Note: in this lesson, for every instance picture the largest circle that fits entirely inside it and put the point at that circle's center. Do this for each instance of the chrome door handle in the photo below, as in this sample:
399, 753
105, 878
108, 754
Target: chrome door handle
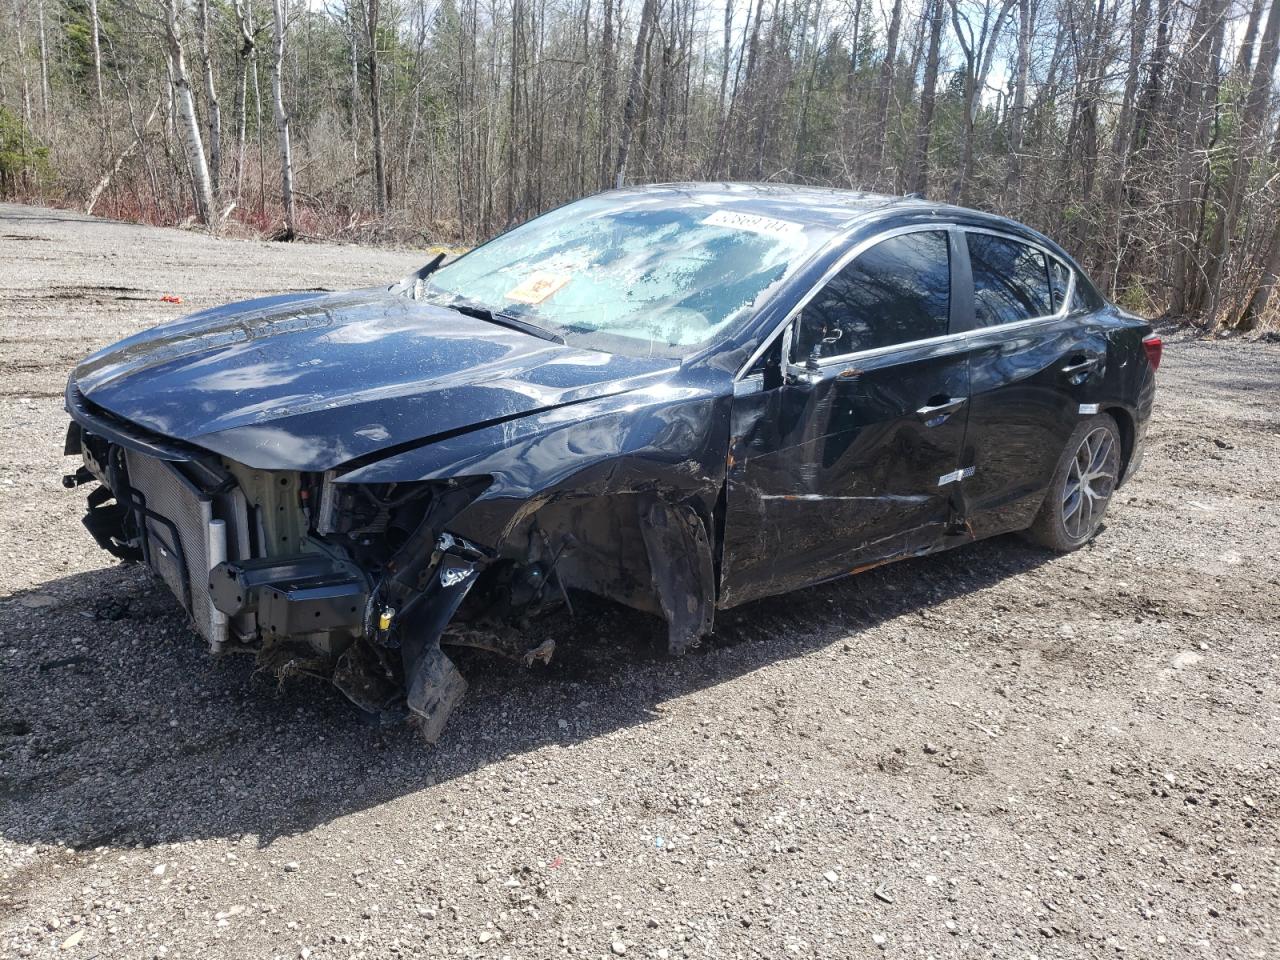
934, 414
1082, 365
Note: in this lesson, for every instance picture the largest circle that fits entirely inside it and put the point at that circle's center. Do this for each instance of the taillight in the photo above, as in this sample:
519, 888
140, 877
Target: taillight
1155, 350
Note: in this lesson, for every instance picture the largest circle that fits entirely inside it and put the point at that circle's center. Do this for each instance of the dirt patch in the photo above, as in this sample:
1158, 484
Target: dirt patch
990, 751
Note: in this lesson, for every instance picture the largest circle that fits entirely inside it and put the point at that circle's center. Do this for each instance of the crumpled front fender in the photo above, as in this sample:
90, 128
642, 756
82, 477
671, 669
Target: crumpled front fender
433, 685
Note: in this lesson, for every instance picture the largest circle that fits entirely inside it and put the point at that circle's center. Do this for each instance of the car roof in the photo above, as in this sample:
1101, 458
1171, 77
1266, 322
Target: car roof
825, 207
831, 208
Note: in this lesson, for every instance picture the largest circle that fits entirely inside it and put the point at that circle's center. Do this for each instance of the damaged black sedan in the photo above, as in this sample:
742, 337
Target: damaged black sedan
681, 398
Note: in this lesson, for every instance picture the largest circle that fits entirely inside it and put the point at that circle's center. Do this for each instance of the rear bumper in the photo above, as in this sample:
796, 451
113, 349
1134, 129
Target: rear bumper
1141, 422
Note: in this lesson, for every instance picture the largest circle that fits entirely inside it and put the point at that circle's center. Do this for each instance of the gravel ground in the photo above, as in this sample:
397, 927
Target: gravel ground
990, 751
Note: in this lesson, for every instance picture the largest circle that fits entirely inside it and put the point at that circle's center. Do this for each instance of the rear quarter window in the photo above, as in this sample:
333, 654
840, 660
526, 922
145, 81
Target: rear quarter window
1010, 280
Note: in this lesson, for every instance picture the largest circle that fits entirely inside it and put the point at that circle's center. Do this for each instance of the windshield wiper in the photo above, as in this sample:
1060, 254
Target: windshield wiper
470, 309
412, 284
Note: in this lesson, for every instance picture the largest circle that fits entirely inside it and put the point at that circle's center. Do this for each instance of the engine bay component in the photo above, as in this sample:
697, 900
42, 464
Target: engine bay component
309, 596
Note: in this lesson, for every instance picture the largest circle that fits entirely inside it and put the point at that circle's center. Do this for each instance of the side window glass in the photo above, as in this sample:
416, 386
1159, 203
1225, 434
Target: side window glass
1060, 283
1010, 280
894, 292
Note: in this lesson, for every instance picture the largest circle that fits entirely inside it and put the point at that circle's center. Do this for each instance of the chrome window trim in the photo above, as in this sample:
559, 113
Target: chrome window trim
959, 336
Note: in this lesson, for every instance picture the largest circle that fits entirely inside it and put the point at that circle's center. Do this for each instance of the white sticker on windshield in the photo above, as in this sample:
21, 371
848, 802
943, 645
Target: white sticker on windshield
755, 224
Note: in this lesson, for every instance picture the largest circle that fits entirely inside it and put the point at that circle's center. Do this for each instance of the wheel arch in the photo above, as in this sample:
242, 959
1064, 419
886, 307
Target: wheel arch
1128, 433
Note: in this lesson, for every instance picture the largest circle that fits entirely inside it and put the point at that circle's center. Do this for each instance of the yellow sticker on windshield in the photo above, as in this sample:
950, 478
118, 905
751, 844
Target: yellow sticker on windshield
538, 286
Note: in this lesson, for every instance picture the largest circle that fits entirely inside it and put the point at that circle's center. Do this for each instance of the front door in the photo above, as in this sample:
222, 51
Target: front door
853, 461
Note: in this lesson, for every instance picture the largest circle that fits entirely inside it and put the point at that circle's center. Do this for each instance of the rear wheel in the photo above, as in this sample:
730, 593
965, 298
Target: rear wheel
1081, 488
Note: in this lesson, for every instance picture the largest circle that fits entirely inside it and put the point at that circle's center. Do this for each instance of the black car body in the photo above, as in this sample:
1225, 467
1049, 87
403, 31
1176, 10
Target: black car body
340, 482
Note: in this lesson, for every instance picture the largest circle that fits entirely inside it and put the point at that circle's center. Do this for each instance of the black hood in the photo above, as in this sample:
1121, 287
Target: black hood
309, 382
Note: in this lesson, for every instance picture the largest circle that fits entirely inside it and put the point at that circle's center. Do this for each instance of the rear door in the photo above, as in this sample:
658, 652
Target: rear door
847, 462
1036, 363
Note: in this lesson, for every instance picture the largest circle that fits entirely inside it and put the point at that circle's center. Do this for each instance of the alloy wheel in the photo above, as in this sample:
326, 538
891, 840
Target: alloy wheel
1090, 482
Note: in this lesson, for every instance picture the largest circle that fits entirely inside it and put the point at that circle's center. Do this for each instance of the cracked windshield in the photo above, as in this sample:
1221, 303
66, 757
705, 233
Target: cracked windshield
640, 278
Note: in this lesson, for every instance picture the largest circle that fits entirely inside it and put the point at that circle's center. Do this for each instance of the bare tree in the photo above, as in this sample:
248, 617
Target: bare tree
1141, 133
280, 22
933, 13
213, 111
633, 91
20, 43
381, 190
95, 47
1232, 190
44, 64
184, 109
246, 52
885, 91
977, 27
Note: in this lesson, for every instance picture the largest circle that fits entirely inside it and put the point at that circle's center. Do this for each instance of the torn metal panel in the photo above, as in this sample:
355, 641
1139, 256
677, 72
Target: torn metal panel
433, 685
680, 562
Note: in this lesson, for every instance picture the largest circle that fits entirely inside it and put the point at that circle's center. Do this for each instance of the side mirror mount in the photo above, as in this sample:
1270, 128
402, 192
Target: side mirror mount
808, 372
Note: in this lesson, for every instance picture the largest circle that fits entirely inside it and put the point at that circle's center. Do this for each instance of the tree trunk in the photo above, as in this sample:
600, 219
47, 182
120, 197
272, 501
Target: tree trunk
95, 43
1194, 111
245, 52
928, 96
1150, 102
353, 102
188, 122
281, 25
44, 65
854, 143
381, 194
1256, 307
1017, 112
1232, 192
1137, 42
22, 68
1244, 57
633, 92
883, 95
608, 73
211, 98
121, 157
728, 55
978, 49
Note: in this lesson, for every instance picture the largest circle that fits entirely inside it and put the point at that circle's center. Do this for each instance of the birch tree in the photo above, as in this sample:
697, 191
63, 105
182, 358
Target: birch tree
280, 24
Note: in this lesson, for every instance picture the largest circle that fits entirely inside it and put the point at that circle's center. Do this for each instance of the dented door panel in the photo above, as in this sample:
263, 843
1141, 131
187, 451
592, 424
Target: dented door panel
827, 477
1028, 388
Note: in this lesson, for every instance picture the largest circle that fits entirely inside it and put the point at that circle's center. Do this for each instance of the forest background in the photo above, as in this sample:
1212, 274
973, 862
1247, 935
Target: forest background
1141, 134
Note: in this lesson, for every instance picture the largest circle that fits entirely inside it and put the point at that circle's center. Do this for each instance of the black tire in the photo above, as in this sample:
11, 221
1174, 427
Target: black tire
1072, 512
